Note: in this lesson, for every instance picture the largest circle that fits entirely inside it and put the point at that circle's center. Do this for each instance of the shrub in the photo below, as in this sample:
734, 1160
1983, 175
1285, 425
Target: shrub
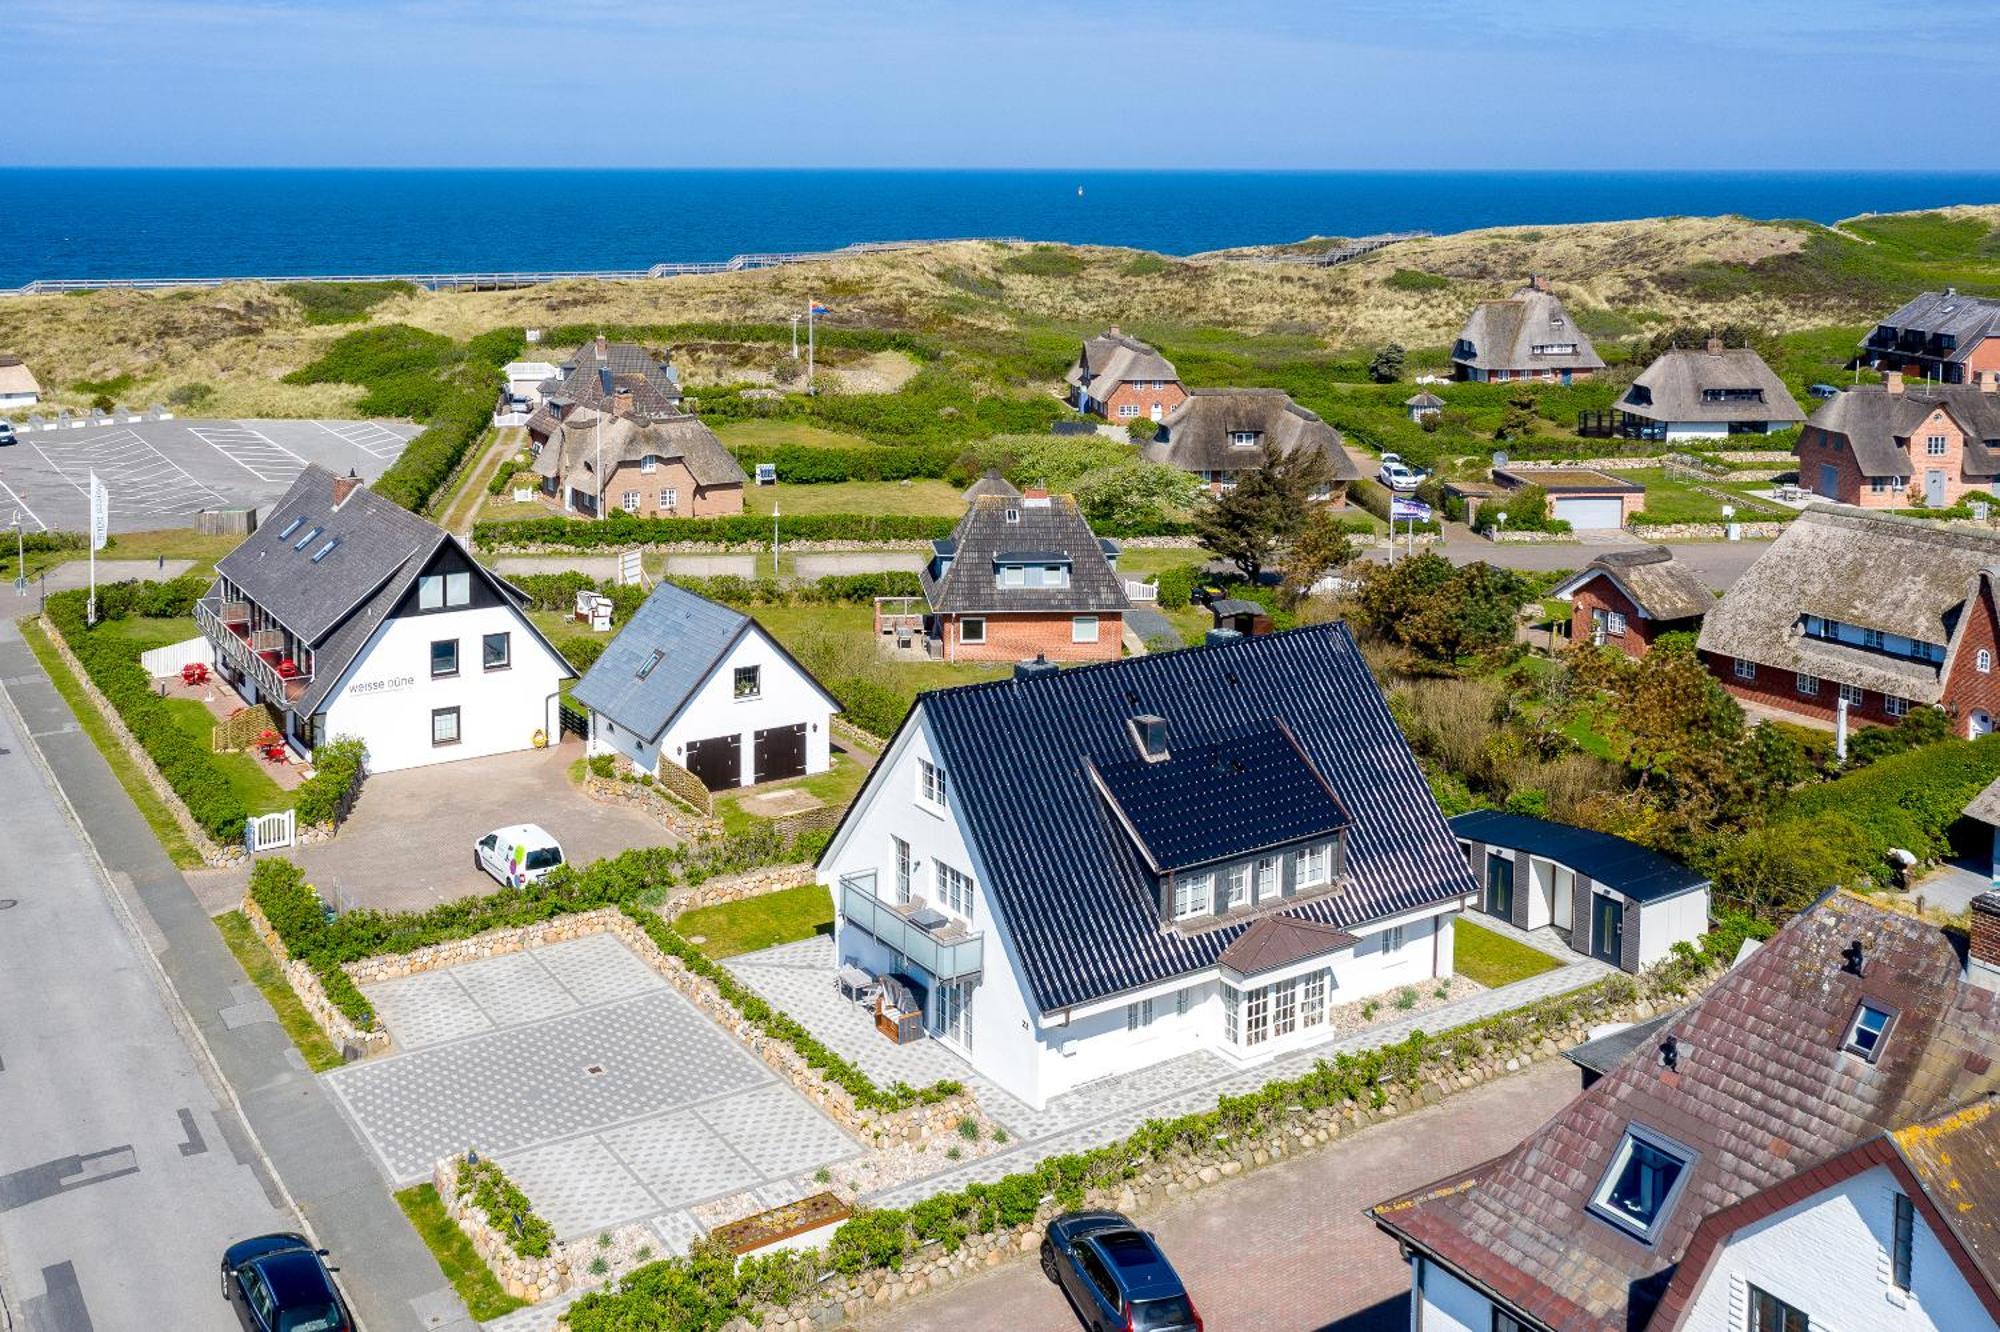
1144, 428
1177, 585
190, 397
336, 768
507, 1209
503, 477
341, 302
1057, 261
1415, 279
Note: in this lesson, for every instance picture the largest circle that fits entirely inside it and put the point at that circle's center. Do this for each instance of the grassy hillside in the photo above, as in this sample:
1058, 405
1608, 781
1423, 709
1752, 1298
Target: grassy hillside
1008, 317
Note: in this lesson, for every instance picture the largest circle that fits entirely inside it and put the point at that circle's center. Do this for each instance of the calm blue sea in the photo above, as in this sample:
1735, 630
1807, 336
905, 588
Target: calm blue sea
100, 223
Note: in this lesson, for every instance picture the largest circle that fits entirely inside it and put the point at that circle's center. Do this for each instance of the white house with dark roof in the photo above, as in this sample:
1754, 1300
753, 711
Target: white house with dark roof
351, 616
1088, 871
1707, 393
705, 687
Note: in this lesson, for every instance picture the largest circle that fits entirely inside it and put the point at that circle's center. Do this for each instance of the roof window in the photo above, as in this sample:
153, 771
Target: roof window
654, 660
291, 527
307, 539
1646, 1175
1869, 1031
325, 550
1013, 515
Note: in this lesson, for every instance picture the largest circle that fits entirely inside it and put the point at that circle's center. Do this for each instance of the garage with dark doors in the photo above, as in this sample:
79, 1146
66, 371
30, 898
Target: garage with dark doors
718, 761
781, 753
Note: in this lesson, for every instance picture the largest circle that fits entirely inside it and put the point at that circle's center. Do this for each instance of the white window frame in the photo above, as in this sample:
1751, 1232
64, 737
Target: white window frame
1855, 695
1236, 886
1393, 939
1600, 1198
1139, 1014
905, 870
755, 682
1806, 685
1243, 439
1982, 661
1183, 1000
972, 629
933, 787
650, 463
1745, 668
670, 498
1312, 999
1934, 446
1284, 1008
954, 889
630, 501
1313, 866
1193, 895
1257, 1016
1013, 575
1869, 1050
1614, 624
1270, 878
1083, 628
1128, 409
1232, 1015
1895, 706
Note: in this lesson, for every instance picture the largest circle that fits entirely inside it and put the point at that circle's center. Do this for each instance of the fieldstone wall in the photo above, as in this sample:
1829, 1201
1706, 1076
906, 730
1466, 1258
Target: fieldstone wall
1505, 537
848, 731
1752, 531
735, 887
569, 1262
339, 1028
211, 851
654, 800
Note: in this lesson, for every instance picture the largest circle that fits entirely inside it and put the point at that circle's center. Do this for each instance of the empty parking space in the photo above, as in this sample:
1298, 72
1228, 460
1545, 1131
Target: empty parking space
605, 1094
163, 473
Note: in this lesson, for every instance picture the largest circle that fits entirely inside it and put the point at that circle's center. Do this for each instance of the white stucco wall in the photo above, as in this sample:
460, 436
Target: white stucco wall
387, 695
1829, 1257
1681, 919
1449, 1305
788, 697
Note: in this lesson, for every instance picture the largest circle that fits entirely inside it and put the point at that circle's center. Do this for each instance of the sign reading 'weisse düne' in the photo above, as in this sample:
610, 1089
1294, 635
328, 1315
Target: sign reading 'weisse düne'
388, 685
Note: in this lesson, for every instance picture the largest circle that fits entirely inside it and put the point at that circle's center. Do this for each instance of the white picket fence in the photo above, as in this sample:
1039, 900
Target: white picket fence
268, 832
1138, 591
163, 662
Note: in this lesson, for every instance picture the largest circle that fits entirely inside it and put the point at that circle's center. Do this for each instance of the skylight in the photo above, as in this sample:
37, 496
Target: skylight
1868, 1031
1646, 1175
325, 550
307, 539
652, 661
291, 527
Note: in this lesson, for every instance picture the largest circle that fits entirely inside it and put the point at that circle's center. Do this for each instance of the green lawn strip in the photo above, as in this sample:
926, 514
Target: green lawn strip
473, 1280
758, 922
243, 769
773, 434
836, 786
123, 766
1493, 960
937, 499
262, 969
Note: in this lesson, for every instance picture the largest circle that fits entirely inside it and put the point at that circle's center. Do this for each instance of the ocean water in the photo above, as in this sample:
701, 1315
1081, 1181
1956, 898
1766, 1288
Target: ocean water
173, 222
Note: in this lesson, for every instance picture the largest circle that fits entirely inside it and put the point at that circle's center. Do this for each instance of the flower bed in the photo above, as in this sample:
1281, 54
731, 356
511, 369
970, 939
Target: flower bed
779, 1224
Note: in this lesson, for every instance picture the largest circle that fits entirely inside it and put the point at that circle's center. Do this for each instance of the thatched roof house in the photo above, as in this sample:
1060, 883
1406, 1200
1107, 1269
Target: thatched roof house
1714, 390
991, 483
1527, 336
1218, 433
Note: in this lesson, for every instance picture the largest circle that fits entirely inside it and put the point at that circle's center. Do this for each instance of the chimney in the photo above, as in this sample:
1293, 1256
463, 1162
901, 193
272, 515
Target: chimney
1892, 383
1149, 733
621, 402
1115, 333
1538, 281
1987, 380
1983, 961
1041, 666
343, 486
1035, 497
1715, 346
603, 349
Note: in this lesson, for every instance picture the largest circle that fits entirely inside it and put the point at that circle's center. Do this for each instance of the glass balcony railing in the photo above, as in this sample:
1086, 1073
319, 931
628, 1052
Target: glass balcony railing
948, 952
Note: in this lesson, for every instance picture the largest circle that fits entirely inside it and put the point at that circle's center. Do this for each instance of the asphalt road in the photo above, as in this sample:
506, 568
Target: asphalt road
1288, 1247
124, 1172
1720, 563
81, 1032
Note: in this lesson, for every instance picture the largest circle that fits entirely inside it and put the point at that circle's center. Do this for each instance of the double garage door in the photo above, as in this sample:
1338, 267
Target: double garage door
776, 754
1586, 514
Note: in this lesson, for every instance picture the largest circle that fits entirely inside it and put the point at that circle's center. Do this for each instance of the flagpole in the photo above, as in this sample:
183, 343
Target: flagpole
598, 481
811, 304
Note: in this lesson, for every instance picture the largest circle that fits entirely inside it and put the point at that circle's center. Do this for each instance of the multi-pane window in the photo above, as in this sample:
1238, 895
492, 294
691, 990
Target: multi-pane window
1192, 894
670, 499
749, 681
903, 866
649, 463
1243, 439
1852, 695
1871, 638
1232, 1015
1128, 409
444, 726
954, 888
1392, 939
496, 651
1614, 624
1267, 877
1934, 446
1745, 670
1895, 707
1644, 1178
441, 591
1903, 1250
1982, 661
930, 783
1183, 999
1257, 1016
1768, 1313
1312, 866
629, 501
1808, 685
1312, 999
1139, 1015
1284, 1008
1238, 879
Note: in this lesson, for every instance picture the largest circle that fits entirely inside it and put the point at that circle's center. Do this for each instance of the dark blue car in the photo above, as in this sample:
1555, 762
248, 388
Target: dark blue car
279, 1283
1115, 1276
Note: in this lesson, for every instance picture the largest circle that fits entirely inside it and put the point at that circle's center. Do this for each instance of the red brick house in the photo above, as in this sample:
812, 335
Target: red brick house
1020, 578
1886, 613
1626, 599
1890, 446
618, 377
1123, 379
1940, 335
1527, 336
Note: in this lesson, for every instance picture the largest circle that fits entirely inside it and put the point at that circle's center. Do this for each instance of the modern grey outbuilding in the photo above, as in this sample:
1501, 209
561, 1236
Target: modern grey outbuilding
1612, 899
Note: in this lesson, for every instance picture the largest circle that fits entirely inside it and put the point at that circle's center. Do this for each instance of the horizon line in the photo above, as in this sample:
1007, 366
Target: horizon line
1959, 172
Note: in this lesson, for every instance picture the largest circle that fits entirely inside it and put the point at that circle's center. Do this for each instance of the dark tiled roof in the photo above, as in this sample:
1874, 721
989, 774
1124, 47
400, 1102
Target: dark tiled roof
1640, 874
1878, 425
1762, 1091
1076, 896
1195, 435
1967, 318
690, 634
1279, 941
1051, 531
1220, 795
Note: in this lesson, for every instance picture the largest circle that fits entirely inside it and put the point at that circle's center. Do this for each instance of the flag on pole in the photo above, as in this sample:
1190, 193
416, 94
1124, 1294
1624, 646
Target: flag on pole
819, 309
100, 514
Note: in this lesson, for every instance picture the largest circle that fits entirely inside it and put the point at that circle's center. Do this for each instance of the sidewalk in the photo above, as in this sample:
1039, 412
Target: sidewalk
388, 1273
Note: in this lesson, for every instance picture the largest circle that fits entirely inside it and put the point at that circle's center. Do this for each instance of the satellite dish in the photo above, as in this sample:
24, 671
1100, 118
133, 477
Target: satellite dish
1499, 457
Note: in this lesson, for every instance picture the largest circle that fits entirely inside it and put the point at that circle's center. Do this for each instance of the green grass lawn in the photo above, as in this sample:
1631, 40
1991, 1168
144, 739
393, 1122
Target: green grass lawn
1478, 954
795, 626
1671, 499
932, 499
836, 786
123, 766
263, 970
759, 922
245, 770
484, 1297
747, 437
172, 544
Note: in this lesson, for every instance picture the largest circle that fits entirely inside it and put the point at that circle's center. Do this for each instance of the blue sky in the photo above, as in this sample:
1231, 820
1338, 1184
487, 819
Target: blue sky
1252, 84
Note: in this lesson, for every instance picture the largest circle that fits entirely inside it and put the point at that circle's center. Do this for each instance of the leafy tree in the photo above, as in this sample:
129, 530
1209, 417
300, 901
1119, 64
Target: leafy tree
1518, 421
1321, 546
1252, 523
1143, 429
1386, 367
1135, 492
1437, 610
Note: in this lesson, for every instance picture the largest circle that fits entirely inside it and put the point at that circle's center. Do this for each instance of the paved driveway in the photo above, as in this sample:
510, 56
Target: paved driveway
408, 844
603, 1093
1287, 1247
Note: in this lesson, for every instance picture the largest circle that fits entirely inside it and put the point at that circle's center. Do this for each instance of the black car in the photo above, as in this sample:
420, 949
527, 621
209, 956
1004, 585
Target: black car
278, 1283
6, 432
1115, 1276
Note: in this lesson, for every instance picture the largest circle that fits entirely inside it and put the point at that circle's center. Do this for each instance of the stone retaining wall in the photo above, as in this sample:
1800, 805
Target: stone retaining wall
353, 1041
1752, 531
569, 1262
847, 730
1506, 537
211, 851
680, 820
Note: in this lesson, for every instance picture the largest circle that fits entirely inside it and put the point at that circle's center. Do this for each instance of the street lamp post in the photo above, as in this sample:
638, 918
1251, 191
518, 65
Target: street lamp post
20, 557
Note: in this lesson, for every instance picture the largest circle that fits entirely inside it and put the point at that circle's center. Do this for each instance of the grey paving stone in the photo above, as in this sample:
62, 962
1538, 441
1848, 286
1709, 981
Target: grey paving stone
514, 988
598, 968
681, 1159
426, 1009
579, 1185
677, 1231
777, 1130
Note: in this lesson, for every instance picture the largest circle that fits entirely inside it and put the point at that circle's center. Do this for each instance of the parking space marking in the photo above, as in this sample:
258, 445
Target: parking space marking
253, 451
374, 440
141, 479
14, 499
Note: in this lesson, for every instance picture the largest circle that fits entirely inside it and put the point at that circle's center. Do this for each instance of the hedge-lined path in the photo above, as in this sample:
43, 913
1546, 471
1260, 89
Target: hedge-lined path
389, 1275
1289, 1246
73, 574
462, 509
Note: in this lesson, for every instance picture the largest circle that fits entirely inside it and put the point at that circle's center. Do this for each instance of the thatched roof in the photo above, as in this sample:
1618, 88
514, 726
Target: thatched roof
1505, 335
1195, 436
1651, 579
16, 377
1113, 358
575, 444
1901, 576
1671, 388
1878, 425
1986, 805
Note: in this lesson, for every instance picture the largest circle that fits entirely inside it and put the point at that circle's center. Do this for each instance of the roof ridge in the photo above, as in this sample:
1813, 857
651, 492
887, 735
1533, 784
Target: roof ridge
1324, 628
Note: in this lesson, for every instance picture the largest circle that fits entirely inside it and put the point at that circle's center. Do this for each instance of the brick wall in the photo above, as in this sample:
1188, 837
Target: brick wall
690, 500
1818, 449
1020, 637
1773, 688
1968, 689
1168, 396
1986, 928
1601, 594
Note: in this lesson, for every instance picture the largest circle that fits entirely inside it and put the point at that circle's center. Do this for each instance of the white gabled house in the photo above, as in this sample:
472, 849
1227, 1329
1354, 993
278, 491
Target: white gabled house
349, 615
707, 688
1089, 871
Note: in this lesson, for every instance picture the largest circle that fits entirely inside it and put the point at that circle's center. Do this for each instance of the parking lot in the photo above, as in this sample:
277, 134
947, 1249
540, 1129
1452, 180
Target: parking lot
603, 1093
162, 473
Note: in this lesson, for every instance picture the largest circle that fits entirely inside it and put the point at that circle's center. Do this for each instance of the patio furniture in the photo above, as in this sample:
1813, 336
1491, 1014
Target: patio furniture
855, 985
899, 1010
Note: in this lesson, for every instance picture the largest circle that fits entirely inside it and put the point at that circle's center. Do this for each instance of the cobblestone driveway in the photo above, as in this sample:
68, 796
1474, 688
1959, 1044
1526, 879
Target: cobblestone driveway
603, 1093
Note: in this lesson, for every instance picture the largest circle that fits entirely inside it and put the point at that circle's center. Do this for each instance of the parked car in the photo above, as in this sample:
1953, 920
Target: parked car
1388, 458
281, 1283
1400, 476
1115, 1276
6, 432
517, 855
1822, 391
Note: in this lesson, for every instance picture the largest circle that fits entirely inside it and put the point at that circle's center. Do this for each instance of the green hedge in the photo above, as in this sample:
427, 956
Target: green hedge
557, 591
801, 465
336, 768
112, 663
625, 530
1374, 497
1908, 800
507, 1209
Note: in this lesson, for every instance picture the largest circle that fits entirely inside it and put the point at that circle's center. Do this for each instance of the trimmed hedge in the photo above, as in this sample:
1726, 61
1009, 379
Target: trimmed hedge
113, 666
1908, 800
802, 465
557, 591
336, 768
624, 530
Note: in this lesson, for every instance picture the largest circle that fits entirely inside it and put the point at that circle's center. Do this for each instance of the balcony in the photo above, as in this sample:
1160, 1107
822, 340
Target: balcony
264, 655
947, 951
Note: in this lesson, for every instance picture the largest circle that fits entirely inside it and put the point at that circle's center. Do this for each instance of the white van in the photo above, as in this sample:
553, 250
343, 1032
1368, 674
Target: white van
517, 855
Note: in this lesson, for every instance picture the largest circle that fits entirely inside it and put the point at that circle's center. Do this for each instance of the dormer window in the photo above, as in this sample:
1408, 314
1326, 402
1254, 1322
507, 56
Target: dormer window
1150, 733
1244, 439
649, 463
1638, 1191
1193, 895
1013, 515
1868, 1032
